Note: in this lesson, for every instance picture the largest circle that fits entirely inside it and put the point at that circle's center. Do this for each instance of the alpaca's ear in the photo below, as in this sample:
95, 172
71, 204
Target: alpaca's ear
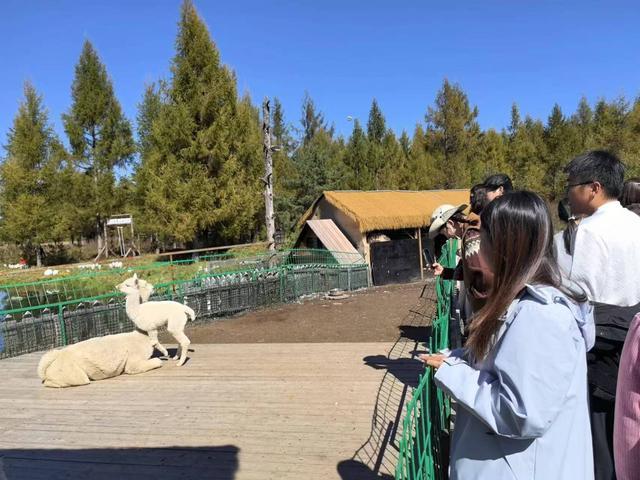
135, 276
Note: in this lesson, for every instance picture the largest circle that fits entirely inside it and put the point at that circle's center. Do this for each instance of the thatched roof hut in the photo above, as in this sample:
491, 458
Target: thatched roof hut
366, 218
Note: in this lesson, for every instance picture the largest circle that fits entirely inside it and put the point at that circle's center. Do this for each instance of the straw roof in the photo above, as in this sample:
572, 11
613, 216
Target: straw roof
389, 210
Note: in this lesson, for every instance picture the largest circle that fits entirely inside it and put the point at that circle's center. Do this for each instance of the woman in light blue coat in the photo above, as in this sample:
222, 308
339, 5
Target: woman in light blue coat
520, 384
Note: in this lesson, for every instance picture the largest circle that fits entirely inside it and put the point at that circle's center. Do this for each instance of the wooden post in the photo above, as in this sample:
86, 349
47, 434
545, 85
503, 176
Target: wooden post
268, 175
419, 233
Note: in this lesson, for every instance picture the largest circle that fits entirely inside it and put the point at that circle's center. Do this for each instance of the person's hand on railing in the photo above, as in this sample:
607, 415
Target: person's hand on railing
437, 269
432, 360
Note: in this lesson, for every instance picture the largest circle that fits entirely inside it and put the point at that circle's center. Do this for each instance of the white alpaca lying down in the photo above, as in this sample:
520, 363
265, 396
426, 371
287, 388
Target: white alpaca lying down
150, 316
97, 359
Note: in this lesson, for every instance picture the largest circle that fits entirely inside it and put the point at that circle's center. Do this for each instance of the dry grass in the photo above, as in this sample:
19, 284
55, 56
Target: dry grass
390, 210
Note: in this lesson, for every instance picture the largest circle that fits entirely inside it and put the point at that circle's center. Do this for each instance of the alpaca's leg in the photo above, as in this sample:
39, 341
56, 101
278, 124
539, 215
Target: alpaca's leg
141, 366
153, 336
184, 342
175, 326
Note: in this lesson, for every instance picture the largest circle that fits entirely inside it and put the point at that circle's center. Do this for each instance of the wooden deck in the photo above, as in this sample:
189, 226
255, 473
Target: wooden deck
234, 411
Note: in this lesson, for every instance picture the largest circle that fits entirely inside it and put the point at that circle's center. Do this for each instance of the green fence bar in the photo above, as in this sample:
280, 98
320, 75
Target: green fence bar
425, 427
60, 311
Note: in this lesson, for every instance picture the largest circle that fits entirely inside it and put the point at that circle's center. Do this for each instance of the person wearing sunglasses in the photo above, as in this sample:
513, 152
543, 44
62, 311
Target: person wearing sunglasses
606, 256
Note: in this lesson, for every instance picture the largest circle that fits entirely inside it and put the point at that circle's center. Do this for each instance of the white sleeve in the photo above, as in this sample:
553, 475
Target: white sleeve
589, 263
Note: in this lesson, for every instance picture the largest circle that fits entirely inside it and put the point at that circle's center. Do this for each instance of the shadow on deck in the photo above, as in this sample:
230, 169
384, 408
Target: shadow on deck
377, 457
180, 463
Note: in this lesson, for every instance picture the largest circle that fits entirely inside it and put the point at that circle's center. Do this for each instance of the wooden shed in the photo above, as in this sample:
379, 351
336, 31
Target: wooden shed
387, 228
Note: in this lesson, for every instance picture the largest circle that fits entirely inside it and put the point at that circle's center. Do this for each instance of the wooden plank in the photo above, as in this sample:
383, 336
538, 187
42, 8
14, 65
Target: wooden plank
234, 411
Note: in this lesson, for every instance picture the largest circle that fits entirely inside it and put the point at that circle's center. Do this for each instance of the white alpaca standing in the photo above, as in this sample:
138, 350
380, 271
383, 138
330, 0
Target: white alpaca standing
97, 359
150, 316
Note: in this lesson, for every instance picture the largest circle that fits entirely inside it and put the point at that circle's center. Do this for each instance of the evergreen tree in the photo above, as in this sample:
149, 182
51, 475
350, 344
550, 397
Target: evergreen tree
356, 160
393, 173
562, 143
526, 153
582, 120
609, 125
631, 152
284, 171
200, 169
491, 158
35, 180
376, 126
148, 111
453, 133
312, 120
515, 122
321, 168
99, 134
376, 160
422, 166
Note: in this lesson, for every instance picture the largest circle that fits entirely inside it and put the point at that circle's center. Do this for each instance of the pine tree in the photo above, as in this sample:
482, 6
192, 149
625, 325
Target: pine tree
318, 160
452, 133
491, 158
284, 171
422, 166
376, 130
35, 194
515, 122
582, 120
199, 175
357, 161
562, 143
376, 125
393, 173
99, 134
609, 125
312, 120
631, 152
148, 111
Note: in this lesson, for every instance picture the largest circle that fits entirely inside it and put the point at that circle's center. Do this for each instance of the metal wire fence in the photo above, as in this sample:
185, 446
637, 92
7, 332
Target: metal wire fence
424, 445
42, 320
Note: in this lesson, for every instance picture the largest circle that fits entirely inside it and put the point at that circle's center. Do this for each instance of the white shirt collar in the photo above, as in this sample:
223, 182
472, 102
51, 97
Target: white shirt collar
608, 206
603, 209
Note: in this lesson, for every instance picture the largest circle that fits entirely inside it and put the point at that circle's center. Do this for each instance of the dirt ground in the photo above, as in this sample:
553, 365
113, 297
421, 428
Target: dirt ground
372, 315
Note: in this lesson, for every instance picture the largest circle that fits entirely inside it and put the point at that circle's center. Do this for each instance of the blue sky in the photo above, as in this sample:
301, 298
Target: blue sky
343, 52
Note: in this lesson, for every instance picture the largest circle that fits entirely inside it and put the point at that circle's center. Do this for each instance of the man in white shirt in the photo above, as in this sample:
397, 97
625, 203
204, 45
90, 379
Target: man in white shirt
606, 256
606, 262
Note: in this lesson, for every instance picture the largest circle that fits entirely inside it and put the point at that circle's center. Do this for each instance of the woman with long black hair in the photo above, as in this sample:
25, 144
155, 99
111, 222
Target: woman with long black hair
520, 383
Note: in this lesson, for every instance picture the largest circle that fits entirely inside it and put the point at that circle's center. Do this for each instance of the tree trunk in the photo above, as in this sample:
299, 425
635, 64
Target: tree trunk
268, 175
99, 233
38, 256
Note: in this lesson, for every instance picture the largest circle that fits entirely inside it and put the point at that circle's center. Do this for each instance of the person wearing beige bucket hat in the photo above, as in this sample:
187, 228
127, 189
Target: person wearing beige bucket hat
444, 219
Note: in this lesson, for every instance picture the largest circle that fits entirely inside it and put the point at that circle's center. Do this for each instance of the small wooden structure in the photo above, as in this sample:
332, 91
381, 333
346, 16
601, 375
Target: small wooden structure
388, 228
119, 222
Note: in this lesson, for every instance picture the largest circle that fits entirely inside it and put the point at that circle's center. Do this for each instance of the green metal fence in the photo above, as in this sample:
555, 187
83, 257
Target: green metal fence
88, 305
424, 445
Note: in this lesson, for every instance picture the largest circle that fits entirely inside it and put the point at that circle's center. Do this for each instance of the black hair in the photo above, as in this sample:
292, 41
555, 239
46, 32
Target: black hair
630, 192
498, 180
518, 230
598, 166
569, 233
478, 198
564, 210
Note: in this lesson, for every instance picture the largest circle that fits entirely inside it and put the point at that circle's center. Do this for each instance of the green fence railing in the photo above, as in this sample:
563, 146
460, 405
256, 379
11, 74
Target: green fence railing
90, 306
87, 285
423, 453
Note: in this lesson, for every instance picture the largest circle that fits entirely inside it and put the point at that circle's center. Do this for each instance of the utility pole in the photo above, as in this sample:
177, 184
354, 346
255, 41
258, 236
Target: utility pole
268, 174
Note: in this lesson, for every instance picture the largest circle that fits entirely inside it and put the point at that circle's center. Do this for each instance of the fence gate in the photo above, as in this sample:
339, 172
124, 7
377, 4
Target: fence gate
395, 261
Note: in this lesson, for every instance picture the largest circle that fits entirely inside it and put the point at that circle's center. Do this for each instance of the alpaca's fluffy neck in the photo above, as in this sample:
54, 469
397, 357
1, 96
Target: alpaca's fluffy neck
132, 304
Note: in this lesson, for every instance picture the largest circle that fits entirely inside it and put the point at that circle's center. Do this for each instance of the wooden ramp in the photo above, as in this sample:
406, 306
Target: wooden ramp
234, 411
